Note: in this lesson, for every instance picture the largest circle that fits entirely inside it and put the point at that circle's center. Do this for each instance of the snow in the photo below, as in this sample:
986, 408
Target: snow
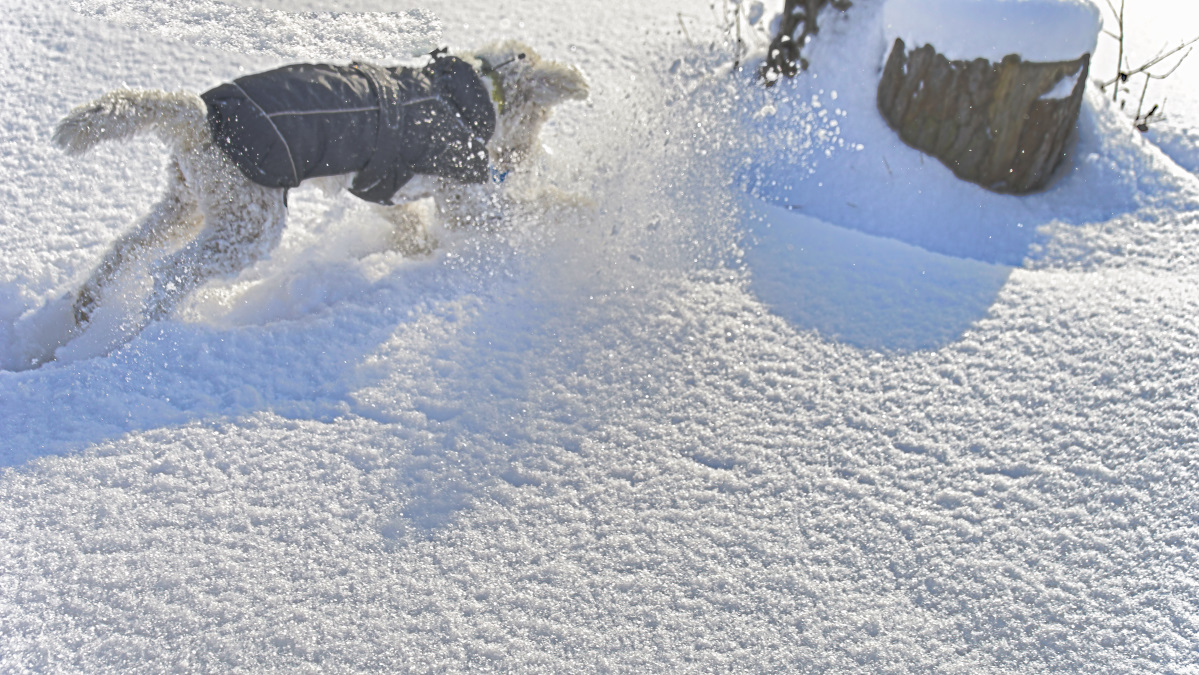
1064, 87
964, 30
288, 35
773, 393
1180, 142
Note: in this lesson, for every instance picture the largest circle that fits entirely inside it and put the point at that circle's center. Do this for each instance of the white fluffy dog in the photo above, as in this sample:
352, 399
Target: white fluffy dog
217, 222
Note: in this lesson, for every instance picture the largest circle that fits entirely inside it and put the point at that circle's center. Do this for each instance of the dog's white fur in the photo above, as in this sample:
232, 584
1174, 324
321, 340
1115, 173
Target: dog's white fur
229, 222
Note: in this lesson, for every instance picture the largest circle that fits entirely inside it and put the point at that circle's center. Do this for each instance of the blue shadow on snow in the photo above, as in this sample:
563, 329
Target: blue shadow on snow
870, 292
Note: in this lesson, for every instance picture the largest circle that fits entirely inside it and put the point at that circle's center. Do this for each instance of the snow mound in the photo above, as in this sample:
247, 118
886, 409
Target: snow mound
318, 36
1037, 30
828, 154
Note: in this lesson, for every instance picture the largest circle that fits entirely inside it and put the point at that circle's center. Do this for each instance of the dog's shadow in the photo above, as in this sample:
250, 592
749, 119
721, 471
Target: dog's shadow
392, 352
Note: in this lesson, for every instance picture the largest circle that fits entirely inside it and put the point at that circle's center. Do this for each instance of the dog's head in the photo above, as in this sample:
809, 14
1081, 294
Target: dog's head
523, 88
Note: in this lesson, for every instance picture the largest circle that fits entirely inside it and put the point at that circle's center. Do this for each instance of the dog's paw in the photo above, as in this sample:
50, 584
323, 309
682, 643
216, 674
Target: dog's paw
410, 231
412, 246
552, 197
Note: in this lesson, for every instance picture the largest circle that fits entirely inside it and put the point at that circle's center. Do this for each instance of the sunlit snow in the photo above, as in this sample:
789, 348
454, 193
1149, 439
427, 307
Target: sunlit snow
767, 390
288, 35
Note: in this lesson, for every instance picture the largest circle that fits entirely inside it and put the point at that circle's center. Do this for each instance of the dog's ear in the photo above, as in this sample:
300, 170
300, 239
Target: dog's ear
553, 83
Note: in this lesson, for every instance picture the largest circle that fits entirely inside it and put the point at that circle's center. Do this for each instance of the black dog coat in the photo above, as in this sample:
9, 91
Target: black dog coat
383, 124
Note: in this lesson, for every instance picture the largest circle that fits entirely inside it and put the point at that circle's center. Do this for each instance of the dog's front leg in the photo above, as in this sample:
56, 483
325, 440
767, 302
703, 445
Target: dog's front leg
461, 205
411, 215
242, 226
410, 227
180, 273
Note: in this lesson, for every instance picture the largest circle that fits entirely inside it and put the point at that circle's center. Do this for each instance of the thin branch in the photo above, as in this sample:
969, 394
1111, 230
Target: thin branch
1176, 65
686, 35
1149, 64
740, 43
1142, 101
1119, 57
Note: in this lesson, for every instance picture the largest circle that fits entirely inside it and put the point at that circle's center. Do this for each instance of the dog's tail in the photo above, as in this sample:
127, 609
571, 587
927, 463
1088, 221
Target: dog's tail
178, 118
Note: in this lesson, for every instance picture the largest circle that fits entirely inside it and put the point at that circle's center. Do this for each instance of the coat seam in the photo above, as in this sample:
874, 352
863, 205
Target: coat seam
322, 112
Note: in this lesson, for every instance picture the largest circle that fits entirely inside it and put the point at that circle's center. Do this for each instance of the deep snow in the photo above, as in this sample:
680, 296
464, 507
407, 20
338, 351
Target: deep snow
1037, 30
807, 406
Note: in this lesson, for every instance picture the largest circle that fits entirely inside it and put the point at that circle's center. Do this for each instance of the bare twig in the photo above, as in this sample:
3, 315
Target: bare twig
1171, 71
1124, 75
1143, 125
1120, 39
686, 35
740, 43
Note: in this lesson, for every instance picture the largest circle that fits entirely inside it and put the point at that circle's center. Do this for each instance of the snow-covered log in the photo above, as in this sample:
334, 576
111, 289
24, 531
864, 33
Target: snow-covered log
992, 88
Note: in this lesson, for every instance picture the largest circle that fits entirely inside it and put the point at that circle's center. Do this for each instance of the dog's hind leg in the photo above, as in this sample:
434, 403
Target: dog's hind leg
173, 217
242, 225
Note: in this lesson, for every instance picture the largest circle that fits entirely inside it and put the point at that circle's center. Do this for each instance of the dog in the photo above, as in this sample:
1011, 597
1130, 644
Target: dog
225, 202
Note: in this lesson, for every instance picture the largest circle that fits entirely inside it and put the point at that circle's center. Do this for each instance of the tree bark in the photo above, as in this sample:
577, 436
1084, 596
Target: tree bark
988, 123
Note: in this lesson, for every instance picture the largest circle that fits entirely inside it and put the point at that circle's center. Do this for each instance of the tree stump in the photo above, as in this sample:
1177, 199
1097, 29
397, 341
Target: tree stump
991, 124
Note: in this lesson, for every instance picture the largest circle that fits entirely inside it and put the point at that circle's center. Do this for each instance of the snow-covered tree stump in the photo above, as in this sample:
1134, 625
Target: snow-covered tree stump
992, 88
995, 124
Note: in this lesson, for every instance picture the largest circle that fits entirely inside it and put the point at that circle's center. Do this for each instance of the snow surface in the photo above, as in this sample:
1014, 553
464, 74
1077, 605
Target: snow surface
288, 35
776, 394
1180, 142
964, 30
